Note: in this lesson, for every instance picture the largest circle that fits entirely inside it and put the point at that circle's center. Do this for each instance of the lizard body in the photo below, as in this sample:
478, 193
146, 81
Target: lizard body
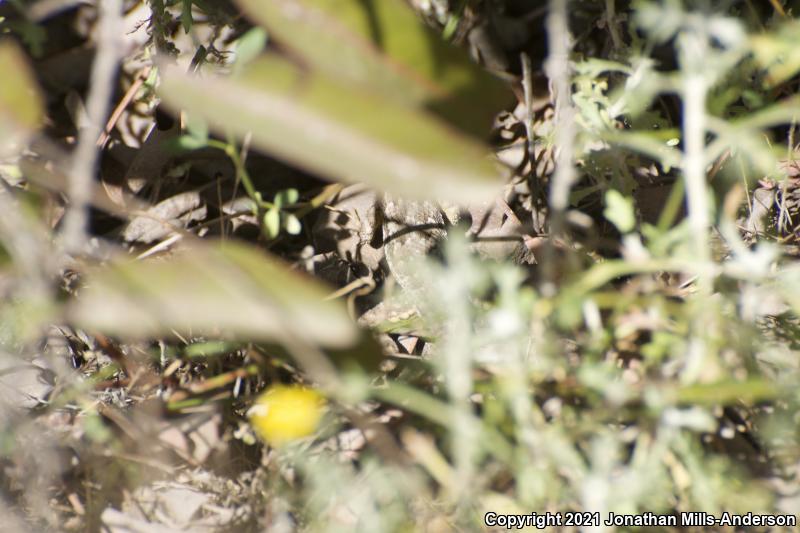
411, 229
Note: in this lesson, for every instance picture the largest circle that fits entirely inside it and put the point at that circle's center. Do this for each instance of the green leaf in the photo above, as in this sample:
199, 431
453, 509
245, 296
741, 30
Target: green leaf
783, 111
727, 392
292, 195
227, 290
272, 222
30, 33
777, 53
619, 211
286, 197
450, 28
594, 67
209, 348
197, 128
249, 46
292, 224
21, 104
383, 46
186, 16
189, 142
338, 131
649, 143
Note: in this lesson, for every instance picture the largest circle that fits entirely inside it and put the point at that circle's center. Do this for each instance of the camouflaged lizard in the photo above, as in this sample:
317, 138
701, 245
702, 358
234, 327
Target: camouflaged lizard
411, 229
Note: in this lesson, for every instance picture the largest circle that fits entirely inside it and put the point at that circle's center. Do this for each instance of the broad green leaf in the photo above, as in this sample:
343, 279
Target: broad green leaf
382, 45
339, 131
224, 289
20, 100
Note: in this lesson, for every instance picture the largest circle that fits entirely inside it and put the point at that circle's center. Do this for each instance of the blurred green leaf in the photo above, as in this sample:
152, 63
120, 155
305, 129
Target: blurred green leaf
21, 104
272, 222
777, 52
726, 392
783, 111
95, 429
224, 289
286, 197
383, 46
650, 144
196, 134
619, 211
339, 131
249, 46
659, 20
189, 142
30, 33
449, 30
292, 224
197, 128
593, 67
209, 348
22, 319
186, 15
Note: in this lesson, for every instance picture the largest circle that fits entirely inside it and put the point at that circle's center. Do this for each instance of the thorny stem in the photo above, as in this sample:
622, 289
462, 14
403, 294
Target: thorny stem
84, 160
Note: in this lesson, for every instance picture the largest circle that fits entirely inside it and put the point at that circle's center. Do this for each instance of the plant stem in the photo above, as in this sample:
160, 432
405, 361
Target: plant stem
695, 89
558, 71
84, 160
241, 171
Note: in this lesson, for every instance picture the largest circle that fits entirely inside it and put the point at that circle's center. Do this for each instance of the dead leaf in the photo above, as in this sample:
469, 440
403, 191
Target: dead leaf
161, 219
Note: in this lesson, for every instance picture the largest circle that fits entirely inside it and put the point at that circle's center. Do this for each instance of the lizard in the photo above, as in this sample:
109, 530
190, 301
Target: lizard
411, 229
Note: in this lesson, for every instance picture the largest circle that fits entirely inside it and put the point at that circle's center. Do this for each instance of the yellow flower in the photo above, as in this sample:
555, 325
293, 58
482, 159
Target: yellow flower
286, 413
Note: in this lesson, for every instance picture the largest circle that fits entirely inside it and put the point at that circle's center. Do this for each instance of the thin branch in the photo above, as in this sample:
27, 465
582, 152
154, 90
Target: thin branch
558, 71
611, 23
84, 162
138, 81
534, 180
